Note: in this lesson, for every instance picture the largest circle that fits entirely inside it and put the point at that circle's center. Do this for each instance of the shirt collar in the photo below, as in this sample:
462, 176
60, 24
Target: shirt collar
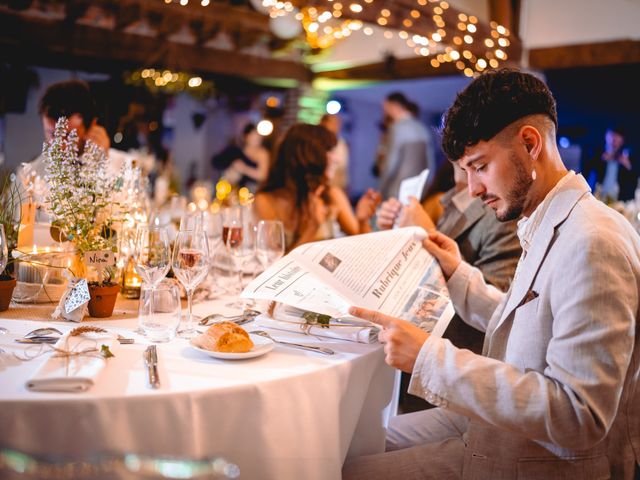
527, 226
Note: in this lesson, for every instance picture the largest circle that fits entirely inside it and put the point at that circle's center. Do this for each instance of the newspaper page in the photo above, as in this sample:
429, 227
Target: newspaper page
387, 271
413, 187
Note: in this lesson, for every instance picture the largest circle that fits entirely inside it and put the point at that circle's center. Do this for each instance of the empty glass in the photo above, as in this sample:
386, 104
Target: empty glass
159, 311
4, 251
151, 255
190, 264
241, 245
269, 242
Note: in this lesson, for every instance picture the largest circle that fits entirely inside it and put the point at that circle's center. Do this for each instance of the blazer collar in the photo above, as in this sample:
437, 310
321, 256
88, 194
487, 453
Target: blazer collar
559, 209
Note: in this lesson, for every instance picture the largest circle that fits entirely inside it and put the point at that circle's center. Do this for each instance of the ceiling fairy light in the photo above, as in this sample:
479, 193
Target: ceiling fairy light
168, 81
445, 37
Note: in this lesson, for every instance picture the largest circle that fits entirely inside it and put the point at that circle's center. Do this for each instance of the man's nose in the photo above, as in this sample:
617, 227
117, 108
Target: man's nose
476, 188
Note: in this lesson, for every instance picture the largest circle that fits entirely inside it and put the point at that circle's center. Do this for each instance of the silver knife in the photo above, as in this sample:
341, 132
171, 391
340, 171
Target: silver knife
38, 340
151, 361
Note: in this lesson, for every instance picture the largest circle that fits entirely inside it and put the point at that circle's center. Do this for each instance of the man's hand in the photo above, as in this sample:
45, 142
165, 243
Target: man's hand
99, 136
387, 214
445, 250
402, 339
413, 215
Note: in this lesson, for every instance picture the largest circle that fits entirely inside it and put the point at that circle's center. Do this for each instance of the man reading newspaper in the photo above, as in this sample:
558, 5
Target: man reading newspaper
555, 393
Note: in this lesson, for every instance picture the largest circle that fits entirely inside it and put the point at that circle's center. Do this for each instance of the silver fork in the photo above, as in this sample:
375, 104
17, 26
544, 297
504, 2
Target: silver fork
313, 348
244, 317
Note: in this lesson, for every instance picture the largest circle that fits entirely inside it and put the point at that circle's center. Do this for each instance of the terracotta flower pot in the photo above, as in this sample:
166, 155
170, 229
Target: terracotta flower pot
7, 284
103, 299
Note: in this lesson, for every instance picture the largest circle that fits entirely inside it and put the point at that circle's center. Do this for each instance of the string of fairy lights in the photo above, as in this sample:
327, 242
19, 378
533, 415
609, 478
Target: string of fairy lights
457, 39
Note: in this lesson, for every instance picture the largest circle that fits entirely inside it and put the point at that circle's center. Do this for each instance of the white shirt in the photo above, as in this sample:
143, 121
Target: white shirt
527, 226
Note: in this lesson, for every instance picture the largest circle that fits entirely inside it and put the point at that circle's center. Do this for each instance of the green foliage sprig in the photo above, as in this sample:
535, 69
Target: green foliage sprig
80, 188
10, 213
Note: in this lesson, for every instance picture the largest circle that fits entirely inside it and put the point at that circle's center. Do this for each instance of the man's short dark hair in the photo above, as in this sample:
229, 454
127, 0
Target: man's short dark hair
490, 103
63, 99
400, 99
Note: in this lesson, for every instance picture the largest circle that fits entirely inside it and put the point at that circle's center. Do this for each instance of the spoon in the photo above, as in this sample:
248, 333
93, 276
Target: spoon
313, 348
244, 317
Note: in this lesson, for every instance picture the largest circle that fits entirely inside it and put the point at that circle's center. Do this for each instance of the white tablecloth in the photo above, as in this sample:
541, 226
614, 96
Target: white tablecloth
290, 414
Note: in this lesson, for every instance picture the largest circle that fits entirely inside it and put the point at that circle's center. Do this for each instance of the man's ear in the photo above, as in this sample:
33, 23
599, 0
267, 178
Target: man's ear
531, 139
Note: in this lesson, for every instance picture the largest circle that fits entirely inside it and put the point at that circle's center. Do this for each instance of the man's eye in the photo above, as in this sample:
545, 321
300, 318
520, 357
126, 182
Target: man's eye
479, 168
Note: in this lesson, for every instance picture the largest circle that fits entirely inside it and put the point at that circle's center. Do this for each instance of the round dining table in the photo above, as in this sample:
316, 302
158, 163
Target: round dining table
289, 414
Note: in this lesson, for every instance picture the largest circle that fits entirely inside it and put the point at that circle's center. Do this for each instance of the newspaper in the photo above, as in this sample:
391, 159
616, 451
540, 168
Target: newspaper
387, 271
413, 187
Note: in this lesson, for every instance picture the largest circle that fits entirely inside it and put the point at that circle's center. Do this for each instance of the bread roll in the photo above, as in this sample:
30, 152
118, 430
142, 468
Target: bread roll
224, 337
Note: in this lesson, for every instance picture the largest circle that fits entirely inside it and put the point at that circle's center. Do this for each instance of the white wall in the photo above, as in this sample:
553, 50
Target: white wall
548, 23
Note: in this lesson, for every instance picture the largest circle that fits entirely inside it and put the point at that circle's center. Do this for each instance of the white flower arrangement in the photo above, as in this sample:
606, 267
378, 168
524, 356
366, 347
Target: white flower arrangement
79, 193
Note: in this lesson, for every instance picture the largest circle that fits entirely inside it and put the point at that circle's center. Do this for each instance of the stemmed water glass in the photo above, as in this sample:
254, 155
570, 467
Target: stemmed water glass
269, 242
152, 256
4, 258
241, 245
190, 264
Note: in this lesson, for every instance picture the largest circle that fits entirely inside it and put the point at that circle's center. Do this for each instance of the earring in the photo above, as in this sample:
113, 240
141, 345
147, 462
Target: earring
534, 175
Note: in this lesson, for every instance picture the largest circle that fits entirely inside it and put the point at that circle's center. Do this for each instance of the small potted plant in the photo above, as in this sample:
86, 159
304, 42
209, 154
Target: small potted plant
10, 211
79, 199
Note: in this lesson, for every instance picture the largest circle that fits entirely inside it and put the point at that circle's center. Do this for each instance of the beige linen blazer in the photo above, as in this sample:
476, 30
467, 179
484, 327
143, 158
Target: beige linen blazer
555, 393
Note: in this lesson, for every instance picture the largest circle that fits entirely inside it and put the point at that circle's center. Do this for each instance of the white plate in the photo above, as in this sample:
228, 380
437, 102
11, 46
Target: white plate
261, 345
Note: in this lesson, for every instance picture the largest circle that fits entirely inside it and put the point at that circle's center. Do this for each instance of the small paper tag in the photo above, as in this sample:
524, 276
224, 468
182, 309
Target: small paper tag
99, 259
78, 296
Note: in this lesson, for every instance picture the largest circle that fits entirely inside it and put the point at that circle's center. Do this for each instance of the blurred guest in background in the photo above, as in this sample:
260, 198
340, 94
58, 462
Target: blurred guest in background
410, 147
340, 174
298, 192
71, 99
245, 165
612, 168
382, 150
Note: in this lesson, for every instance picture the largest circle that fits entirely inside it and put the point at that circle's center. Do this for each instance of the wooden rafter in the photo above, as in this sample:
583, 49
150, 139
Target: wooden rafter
586, 55
44, 41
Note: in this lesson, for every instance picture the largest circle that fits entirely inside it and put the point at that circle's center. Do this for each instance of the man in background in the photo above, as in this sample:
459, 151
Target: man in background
71, 99
611, 172
410, 148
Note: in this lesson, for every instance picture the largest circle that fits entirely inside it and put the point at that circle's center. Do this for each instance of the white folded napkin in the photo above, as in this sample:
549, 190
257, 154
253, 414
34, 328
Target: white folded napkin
288, 319
77, 370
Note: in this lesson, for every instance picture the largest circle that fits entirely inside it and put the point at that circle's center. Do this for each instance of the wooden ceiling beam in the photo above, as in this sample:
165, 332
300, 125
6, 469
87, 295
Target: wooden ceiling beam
32, 41
392, 69
586, 55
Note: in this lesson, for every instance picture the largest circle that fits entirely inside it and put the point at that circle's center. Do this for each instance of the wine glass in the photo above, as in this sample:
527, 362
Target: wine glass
190, 264
152, 255
230, 215
269, 242
4, 258
241, 245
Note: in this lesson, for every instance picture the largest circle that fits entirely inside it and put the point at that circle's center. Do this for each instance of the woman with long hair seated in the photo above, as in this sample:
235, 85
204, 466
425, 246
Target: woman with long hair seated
297, 190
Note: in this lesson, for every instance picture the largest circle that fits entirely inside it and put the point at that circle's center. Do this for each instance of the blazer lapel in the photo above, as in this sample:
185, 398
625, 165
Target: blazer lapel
561, 205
